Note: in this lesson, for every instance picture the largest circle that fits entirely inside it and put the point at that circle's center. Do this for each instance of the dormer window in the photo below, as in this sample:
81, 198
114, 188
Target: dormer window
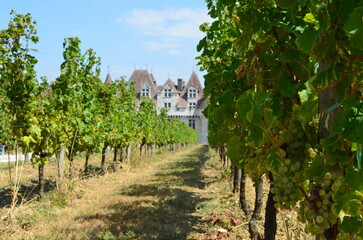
145, 91
192, 93
167, 92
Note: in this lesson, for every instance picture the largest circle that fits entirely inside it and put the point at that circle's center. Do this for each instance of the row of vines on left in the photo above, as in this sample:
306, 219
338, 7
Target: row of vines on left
75, 113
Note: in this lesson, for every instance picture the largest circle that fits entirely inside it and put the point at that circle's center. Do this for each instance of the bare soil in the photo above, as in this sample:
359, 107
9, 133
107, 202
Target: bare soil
182, 195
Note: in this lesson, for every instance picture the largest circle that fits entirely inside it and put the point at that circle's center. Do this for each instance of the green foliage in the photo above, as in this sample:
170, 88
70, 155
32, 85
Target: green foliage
158, 129
76, 98
18, 78
354, 28
268, 64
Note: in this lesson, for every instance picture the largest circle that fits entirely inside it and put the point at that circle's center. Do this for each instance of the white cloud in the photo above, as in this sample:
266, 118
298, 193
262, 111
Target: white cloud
167, 23
145, 22
171, 31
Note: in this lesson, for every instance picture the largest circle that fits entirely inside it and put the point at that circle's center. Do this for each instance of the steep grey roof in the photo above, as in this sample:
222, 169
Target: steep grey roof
171, 84
152, 78
108, 79
141, 77
160, 88
193, 81
182, 103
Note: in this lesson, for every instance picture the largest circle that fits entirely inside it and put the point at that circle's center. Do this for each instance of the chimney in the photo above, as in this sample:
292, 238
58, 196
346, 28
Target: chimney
180, 84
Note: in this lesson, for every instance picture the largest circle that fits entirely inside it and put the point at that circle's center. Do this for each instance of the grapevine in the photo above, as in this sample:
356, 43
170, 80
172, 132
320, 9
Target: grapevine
284, 87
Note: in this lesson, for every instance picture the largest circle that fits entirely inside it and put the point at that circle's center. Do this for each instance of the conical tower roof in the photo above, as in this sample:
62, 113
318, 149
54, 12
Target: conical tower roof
193, 81
108, 79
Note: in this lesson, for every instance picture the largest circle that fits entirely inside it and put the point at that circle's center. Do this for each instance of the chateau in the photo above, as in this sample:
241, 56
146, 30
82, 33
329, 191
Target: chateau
183, 101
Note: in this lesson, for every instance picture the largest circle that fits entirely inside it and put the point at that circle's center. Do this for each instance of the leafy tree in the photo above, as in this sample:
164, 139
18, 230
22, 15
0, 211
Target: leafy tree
108, 103
124, 117
147, 121
76, 99
90, 132
162, 128
46, 127
20, 88
18, 77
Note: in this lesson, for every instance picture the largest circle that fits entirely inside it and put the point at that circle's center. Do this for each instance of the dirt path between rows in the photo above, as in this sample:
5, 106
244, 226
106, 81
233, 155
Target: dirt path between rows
155, 200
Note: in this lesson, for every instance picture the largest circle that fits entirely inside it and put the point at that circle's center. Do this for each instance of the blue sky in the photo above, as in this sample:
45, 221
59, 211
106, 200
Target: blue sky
158, 35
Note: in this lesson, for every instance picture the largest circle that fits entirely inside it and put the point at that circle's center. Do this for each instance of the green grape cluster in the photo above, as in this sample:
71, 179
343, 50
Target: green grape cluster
316, 212
286, 185
297, 141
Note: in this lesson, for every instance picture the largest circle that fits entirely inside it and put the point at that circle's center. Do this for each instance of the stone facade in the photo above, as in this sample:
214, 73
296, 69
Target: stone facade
183, 101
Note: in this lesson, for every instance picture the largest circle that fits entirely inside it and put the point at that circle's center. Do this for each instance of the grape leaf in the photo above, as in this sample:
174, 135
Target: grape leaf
243, 105
234, 147
226, 97
316, 168
202, 43
27, 140
306, 111
256, 134
271, 160
354, 28
36, 130
285, 85
306, 40
260, 99
354, 179
354, 130
270, 120
304, 95
349, 203
309, 18
351, 225
276, 106
325, 78
345, 10
290, 55
229, 2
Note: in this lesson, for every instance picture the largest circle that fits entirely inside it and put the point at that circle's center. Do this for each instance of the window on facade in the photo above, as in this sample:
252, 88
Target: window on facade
192, 93
167, 105
167, 92
192, 123
192, 105
145, 92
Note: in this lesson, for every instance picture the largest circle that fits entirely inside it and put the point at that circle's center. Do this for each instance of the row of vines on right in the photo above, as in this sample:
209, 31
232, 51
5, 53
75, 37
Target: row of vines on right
284, 87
